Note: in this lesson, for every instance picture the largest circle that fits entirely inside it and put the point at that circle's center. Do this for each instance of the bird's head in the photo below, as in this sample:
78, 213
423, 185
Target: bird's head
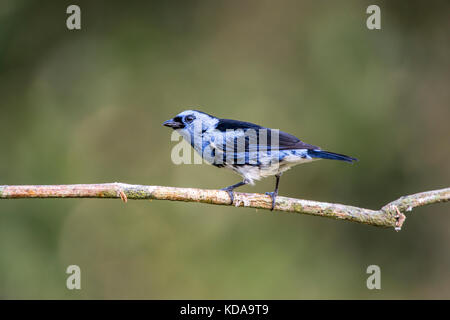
191, 122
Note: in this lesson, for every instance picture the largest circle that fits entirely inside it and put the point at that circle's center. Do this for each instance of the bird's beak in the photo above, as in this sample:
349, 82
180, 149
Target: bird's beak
173, 124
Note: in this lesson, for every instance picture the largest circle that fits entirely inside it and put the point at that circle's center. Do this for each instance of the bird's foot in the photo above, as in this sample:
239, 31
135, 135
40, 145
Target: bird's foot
230, 193
273, 195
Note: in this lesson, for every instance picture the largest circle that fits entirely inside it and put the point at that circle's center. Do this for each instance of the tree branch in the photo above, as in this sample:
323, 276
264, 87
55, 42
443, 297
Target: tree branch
390, 215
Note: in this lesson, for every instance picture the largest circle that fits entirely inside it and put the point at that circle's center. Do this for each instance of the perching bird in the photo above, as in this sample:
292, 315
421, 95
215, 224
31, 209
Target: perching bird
250, 150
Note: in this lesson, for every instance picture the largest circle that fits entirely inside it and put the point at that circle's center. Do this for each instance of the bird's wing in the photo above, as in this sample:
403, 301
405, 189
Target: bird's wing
256, 135
240, 140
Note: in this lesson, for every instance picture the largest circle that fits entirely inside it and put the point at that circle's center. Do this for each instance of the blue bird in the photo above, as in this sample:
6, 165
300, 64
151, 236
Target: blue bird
252, 151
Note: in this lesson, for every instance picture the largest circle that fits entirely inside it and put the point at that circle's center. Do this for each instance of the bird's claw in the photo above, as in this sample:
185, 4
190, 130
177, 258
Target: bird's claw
230, 193
273, 195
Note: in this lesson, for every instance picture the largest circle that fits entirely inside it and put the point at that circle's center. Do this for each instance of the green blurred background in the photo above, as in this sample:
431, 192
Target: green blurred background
87, 106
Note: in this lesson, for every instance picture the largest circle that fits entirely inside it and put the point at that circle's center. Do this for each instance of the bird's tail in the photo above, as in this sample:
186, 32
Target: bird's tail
320, 154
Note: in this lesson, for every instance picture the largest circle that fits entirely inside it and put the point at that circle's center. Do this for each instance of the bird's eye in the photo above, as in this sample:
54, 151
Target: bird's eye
189, 118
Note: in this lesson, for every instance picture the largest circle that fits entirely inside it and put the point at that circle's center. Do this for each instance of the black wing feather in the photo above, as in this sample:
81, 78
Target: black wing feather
227, 124
286, 140
289, 142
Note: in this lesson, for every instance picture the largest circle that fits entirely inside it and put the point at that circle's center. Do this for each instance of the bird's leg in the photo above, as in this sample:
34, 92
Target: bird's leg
274, 194
230, 189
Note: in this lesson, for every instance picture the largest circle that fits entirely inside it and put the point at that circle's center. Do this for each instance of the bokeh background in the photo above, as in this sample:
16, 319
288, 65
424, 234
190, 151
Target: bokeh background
87, 106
